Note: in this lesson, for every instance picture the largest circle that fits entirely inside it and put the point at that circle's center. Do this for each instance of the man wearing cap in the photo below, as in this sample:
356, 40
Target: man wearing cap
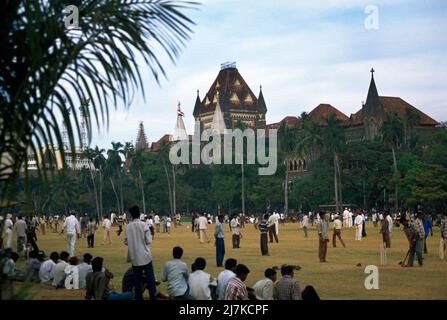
322, 227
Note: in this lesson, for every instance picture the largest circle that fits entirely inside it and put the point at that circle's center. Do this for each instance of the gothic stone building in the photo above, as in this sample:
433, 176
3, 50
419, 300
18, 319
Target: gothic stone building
237, 101
365, 124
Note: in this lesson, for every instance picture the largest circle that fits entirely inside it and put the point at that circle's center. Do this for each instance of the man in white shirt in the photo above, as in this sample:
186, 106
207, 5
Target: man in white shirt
271, 225
106, 225
72, 230
350, 219
203, 225
264, 288
390, 223
112, 217
138, 238
337, 225
345, 218
199, 281
235, 231
277, 215
8, 231
157, 223
358, 226
84, 268
46, 268
58, 272
175, 273
305, 224
225, 276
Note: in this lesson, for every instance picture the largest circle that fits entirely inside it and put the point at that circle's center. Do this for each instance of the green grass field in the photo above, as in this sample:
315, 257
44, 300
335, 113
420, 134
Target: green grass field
340, 278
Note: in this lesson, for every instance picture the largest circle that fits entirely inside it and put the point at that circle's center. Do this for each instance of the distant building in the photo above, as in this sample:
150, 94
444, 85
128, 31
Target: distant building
236, 100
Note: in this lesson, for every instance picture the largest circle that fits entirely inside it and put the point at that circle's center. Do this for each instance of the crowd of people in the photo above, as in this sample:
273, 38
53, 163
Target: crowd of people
64, 270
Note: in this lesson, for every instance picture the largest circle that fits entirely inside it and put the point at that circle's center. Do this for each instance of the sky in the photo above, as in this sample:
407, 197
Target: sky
303, 53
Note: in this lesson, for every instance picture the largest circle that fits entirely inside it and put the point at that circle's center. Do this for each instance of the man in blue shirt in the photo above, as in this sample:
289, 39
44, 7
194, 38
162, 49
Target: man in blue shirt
220, 244
427, 228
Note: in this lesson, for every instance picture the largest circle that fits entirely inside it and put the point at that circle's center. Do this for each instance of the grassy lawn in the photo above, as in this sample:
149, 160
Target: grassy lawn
340, 278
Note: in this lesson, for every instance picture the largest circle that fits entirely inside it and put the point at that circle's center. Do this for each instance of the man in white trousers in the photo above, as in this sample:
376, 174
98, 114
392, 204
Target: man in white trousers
345, 218
72, 230
350, 214
8, 231
358, 226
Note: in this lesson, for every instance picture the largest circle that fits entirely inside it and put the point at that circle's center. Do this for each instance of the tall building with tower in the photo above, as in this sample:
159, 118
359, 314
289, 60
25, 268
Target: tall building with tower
231, 94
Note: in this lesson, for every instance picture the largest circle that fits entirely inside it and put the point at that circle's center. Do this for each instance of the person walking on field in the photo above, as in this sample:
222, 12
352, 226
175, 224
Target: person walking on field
203, 226
263, 229
91, 228
220, 243
427, 227
304, 224
107, 225
235, 231
385, 230
322, 228
271, 225
8, 231
138, 238
72, 230
20, 227
337, 225
358, 226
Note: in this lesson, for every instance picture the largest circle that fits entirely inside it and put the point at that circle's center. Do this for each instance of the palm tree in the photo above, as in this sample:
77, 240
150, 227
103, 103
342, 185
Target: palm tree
90, 154
137, 163
49, 69
113, 169
411, 120
99, 161
334, 141
392, 131
287, 145
163, 156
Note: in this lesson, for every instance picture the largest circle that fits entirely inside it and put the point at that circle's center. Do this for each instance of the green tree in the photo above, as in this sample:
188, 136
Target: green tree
49, 70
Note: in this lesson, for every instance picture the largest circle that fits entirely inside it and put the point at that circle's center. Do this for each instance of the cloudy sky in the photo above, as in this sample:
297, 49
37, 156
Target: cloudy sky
303, 53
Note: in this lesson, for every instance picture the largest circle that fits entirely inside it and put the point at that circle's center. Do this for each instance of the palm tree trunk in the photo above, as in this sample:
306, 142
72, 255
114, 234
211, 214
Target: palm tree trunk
169, 187
100, 193
335, 183
174, 200
243, 189
142, 191
396, 203
286, 192
116, 195
339, 184
95, 191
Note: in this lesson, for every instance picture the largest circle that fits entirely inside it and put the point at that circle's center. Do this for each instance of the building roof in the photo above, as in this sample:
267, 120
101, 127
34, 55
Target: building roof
234, 94
398, 107
320, 113
156, 146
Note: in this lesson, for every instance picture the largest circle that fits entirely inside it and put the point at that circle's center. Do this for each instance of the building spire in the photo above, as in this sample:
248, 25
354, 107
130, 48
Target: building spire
218, 123
373, 96
197, 105
179, 130
261, 102
141, 142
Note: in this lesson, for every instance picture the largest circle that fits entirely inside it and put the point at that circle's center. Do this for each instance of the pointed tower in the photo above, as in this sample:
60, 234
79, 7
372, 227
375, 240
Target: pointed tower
141, 142
196, 111
218, 123
262, 108
373, 111
179, 130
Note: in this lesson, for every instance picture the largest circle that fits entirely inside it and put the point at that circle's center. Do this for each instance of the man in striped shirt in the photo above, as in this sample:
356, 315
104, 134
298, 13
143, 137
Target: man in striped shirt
415, 235
263, 229
236, 288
